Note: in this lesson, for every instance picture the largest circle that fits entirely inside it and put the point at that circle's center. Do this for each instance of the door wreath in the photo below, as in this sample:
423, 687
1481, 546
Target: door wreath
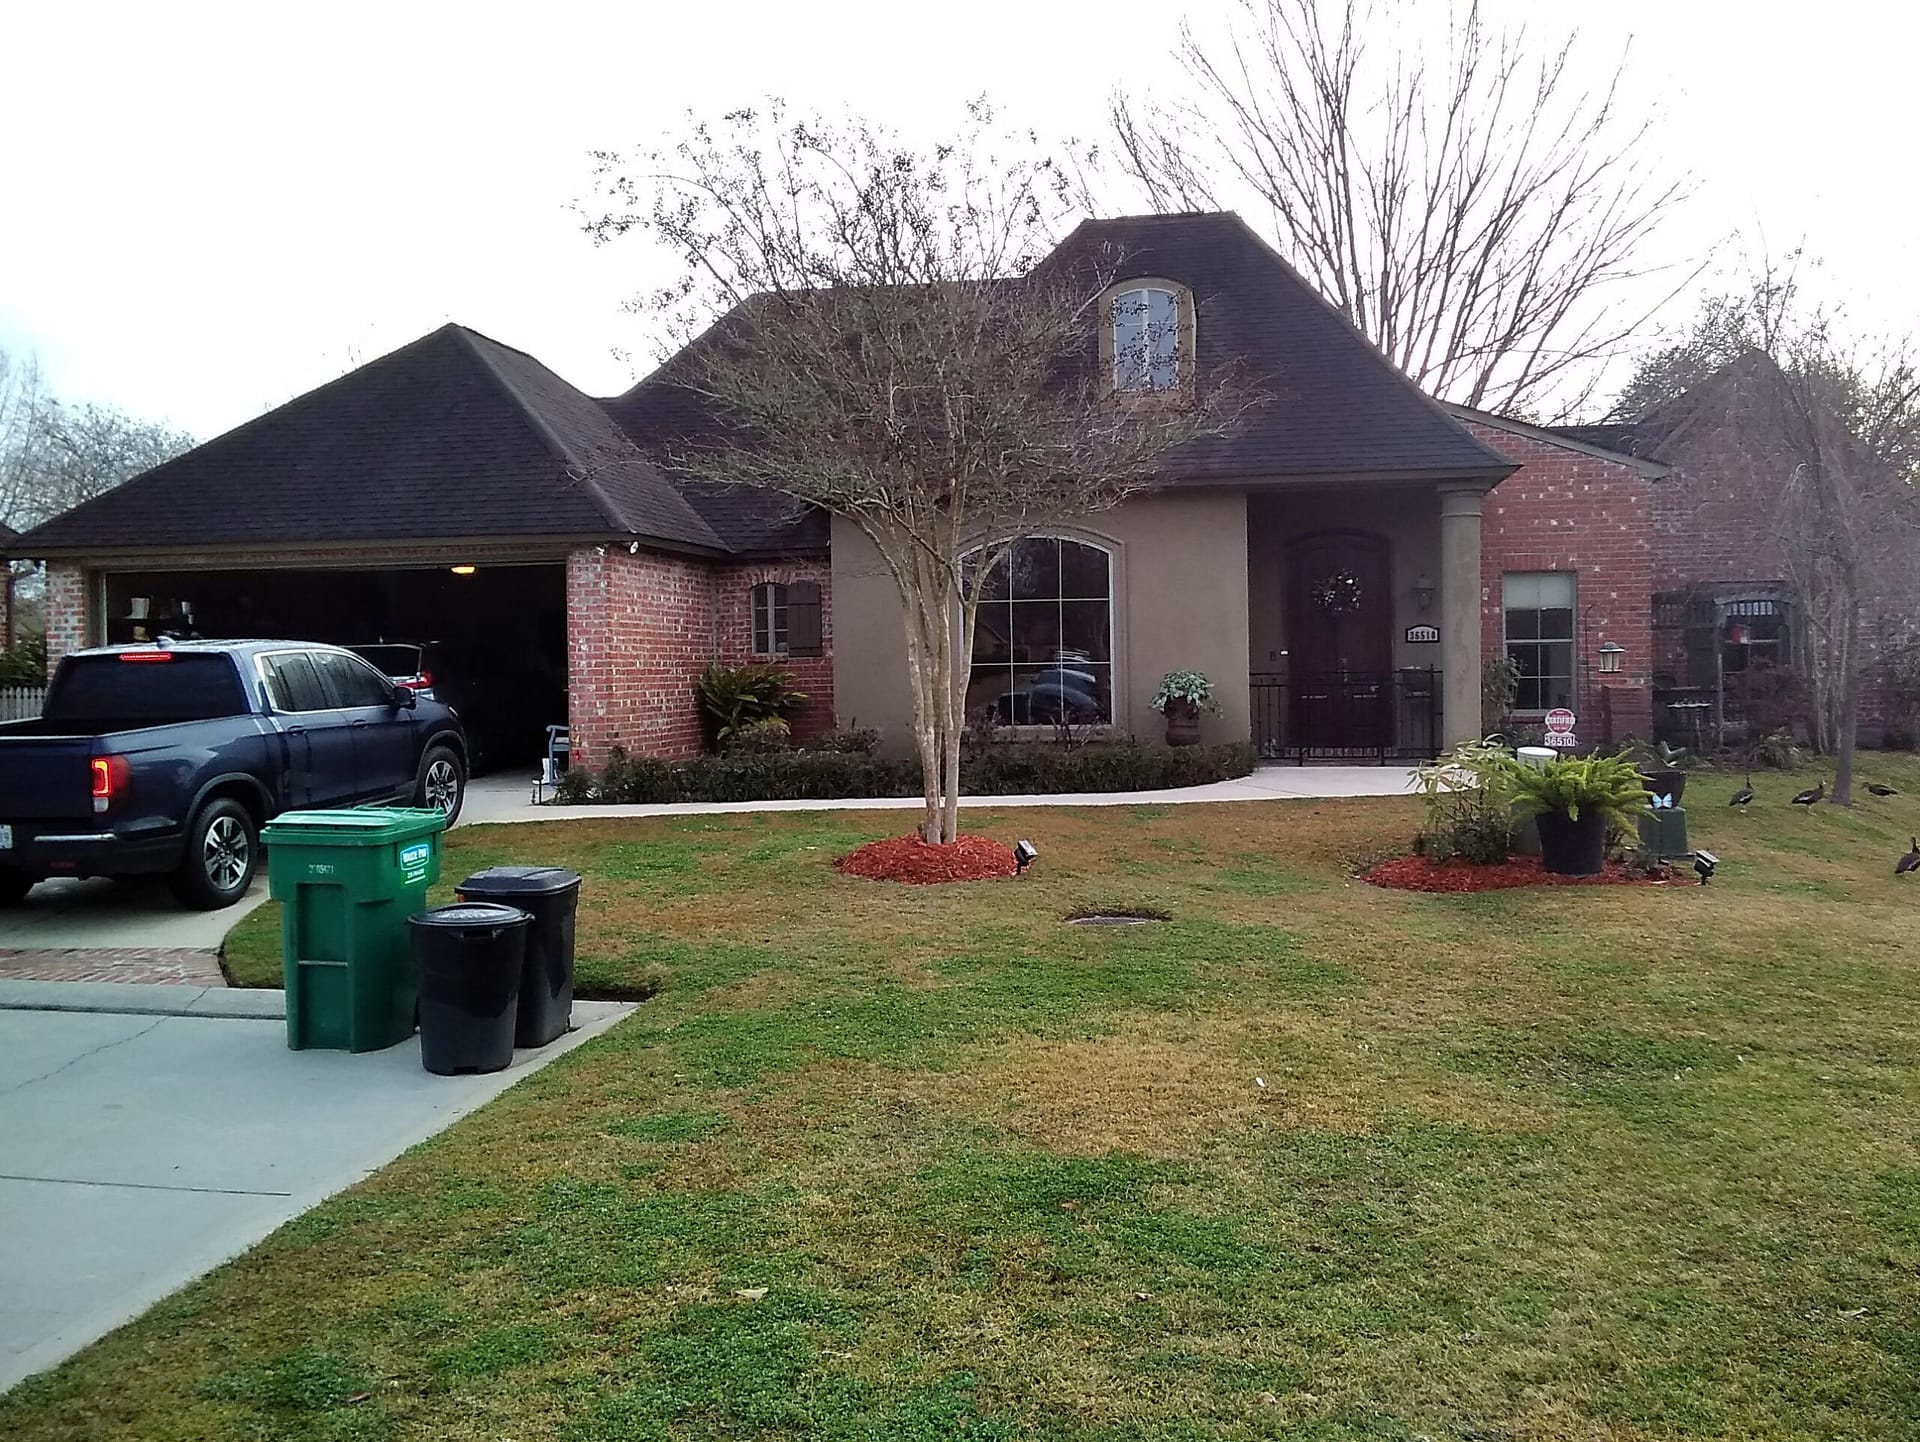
1337, 593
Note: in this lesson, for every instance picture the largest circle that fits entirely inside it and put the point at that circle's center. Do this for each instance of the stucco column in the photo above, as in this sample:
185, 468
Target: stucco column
1460, 613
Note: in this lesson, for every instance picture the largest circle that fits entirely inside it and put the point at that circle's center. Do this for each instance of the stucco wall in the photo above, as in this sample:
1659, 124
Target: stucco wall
1179, 572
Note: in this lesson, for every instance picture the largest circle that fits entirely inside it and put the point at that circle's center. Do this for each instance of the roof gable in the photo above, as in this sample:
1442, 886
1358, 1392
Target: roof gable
1335, 406
451, 435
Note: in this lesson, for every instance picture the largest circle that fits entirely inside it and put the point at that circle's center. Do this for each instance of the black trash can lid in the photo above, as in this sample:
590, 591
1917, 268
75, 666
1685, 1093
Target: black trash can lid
471, 914
519, 881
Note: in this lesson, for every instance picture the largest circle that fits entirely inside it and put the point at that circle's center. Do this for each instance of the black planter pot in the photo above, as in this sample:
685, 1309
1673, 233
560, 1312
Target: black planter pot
1573, 848
1665, 783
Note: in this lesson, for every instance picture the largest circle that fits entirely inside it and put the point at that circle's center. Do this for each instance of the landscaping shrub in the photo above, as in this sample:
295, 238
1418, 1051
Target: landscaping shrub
756, 738
847, 740
1039, 770
25, 662
1469, 802
735, 697
813, 775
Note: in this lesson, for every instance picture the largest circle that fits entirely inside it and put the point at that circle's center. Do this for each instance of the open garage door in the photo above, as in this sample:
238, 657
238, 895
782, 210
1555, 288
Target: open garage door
493, 637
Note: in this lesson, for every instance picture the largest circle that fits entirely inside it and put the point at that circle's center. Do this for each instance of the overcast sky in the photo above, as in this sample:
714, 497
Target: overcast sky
210, 209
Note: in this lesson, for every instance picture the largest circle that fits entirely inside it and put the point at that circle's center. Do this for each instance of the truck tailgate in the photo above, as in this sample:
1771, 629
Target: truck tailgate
46, 778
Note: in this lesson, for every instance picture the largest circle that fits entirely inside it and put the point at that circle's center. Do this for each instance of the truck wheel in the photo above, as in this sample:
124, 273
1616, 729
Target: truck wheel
14, 886
223, 851
443, 783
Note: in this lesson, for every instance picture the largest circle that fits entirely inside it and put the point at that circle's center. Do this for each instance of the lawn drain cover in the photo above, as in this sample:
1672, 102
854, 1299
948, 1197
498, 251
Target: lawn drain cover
1114, 918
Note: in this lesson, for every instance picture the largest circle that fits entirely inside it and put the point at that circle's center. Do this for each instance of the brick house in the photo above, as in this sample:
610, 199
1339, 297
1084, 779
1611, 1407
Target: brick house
1339, 566
1722, 603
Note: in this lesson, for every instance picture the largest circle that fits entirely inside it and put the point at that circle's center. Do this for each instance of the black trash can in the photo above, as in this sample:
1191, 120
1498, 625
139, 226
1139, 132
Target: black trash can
469, 958
550, 895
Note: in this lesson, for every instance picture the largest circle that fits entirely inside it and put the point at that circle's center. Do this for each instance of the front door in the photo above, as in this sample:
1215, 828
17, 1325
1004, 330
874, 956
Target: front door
1340, 641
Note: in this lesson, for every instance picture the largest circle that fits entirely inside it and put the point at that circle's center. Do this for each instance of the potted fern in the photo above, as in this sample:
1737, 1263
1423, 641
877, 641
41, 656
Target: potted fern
1574, 801
1182, 696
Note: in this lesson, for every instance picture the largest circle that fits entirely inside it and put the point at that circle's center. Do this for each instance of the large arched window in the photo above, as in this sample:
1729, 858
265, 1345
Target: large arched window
1043, 649
1145, 326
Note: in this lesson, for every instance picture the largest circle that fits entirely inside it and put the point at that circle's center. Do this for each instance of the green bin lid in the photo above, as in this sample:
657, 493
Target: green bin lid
364, 826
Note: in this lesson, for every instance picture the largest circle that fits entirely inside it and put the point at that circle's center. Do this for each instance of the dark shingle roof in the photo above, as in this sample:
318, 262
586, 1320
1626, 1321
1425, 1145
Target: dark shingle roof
1335, 405
454, 435
659, 412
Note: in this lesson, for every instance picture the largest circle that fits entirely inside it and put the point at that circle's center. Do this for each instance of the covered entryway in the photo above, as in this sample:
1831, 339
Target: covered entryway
492, 636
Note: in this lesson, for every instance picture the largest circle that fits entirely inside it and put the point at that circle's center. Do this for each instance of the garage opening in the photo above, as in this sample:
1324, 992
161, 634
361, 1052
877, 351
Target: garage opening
492, 639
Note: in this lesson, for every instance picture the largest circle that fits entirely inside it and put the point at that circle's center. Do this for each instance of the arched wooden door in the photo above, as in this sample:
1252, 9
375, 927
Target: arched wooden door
1340, 641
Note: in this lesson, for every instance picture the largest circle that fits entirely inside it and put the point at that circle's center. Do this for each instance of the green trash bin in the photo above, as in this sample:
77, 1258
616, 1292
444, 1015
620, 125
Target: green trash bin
347, 881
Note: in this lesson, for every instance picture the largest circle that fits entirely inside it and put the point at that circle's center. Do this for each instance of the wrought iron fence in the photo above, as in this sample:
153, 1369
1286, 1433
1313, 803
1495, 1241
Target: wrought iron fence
21, 703
1393, 716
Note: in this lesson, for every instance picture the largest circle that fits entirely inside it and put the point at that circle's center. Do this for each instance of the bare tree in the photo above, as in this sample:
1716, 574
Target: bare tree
1836, 425
895, 346
1475, 212
55, 456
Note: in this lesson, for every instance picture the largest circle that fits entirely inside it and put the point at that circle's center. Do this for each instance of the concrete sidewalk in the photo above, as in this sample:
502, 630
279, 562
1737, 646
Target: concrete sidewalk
149, 1133
496, 799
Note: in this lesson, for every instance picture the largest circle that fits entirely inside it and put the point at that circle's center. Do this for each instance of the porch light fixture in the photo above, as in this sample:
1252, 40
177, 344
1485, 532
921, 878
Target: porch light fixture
1423, 591
1610, 654
464, 570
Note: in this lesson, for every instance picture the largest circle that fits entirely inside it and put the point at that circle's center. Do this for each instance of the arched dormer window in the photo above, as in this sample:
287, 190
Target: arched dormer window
1149, 336
1043, 646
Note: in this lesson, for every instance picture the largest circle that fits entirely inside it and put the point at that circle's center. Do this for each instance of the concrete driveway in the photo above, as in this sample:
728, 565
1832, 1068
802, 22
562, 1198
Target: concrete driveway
64, 914
143, 1145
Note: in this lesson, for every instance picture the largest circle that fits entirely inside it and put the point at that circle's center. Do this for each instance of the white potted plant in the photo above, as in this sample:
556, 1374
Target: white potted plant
1182, 696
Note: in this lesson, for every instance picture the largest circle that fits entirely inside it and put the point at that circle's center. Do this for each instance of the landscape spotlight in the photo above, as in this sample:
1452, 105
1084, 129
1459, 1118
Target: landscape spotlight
1023, 856
1704, 862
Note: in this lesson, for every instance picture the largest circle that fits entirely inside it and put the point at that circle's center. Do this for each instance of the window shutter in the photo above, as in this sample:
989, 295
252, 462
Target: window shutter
803, 619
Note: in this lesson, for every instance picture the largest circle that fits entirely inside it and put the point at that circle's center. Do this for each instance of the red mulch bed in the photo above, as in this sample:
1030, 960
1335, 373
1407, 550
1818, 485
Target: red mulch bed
922, 863
1416, 873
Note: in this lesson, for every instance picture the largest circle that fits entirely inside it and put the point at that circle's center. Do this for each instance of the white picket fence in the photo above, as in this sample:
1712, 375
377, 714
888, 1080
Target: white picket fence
21, 703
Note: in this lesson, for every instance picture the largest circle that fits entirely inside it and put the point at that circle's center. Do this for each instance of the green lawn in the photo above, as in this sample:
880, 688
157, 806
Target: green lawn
1583, 1163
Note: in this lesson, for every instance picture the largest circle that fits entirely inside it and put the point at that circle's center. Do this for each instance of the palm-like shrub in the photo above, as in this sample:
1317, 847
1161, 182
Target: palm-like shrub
733, 698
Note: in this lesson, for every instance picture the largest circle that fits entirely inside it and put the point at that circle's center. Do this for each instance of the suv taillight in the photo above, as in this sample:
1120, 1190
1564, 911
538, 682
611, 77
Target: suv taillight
109, 780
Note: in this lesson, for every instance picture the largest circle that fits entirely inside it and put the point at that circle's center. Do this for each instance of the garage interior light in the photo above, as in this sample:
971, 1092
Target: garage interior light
463, 570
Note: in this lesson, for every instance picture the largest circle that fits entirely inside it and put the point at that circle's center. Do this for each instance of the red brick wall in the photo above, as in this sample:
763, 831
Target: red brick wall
1565, 510
640, 628
733, 590
69, 628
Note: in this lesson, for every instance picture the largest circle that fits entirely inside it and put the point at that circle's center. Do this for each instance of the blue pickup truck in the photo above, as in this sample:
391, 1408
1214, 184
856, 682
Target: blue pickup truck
167, 760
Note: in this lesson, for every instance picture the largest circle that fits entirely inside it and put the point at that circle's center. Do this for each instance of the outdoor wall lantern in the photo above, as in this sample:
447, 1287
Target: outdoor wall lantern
1423, 591
1610, 654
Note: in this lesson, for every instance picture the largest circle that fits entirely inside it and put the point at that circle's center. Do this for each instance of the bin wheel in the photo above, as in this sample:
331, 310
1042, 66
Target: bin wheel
443, 783
223, 851
14, 886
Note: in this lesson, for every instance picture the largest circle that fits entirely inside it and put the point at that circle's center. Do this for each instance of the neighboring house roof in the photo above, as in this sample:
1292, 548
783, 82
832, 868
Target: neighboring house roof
452, 436
1711, 400
7, 533
1562, 436
1335, 405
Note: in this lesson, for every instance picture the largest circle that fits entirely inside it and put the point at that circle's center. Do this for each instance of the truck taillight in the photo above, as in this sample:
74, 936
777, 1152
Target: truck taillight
109, 780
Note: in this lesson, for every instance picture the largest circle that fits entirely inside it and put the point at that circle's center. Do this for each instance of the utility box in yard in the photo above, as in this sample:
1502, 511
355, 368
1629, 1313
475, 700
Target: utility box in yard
347, 881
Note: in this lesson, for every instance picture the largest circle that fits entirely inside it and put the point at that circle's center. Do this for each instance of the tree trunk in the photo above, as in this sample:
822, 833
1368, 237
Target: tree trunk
1847, 723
